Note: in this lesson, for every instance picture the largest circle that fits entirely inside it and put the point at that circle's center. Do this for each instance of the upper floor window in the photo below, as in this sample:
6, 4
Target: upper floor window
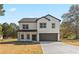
42, 25
25, 26
53, 25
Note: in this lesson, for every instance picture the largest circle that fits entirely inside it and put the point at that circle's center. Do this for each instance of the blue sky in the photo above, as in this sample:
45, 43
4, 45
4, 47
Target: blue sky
15, 12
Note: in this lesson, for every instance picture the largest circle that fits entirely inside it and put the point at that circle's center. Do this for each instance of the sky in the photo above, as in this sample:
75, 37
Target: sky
15, 12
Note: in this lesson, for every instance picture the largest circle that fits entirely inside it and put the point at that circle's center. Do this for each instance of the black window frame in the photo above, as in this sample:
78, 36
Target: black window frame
28, 36
25, 26
43, 25
53, 25
22, 36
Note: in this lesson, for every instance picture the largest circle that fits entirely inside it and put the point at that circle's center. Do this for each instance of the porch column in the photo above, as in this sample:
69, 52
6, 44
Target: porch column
25, 36
37, 36
30, 36
18, 36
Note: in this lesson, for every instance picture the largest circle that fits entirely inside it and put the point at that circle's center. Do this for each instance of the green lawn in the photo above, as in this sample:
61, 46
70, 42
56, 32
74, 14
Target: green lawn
7, 40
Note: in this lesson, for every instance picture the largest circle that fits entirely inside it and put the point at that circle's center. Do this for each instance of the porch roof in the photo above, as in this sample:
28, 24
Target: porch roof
27, 30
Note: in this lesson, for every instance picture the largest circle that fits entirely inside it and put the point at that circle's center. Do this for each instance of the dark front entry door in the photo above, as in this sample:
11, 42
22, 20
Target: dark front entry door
34, 37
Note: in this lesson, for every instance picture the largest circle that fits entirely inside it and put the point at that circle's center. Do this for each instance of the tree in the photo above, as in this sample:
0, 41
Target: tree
9, 30
14, 29
66, 29
1, 33
1, 10
5, 29
73, 17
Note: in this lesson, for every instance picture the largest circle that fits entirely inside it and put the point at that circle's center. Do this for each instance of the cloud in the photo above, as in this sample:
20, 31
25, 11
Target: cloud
13, 9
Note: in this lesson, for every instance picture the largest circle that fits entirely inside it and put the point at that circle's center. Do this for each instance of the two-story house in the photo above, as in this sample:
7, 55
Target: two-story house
45, 28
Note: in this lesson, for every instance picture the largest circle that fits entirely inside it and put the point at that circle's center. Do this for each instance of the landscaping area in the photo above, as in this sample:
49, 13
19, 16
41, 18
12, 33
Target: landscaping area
11, 46
71, 42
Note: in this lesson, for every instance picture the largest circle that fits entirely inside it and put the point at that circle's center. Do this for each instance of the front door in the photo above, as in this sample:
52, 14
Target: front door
34, 38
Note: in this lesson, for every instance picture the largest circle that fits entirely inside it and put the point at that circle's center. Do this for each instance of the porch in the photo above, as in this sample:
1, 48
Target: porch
27, 35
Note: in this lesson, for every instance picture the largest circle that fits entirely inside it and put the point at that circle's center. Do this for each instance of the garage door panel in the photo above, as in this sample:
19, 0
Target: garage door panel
48, 36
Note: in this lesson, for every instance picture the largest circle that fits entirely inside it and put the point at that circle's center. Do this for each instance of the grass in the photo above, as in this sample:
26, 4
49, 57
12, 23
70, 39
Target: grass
10, 46
71, 42
7, 40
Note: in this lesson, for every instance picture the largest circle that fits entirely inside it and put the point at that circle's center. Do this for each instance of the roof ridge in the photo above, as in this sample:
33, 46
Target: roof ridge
36, 19
52, 16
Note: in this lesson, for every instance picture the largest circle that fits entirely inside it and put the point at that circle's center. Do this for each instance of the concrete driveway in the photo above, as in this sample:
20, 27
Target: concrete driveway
59, 48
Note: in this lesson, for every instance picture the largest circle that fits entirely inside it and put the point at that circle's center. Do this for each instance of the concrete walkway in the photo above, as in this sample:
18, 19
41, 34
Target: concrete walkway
59, 48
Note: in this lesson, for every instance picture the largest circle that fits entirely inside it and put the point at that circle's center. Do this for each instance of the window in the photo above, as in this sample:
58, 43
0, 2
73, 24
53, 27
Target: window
53, 25
42, 25
22, 36
25, 26
28, 36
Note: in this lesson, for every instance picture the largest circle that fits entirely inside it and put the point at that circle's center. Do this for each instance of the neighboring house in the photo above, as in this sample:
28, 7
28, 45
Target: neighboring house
45, 28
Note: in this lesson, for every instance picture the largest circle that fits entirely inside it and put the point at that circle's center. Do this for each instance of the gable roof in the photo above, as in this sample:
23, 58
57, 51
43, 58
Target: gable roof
24, 20
43, 17
48, 18
52, 17
33, 20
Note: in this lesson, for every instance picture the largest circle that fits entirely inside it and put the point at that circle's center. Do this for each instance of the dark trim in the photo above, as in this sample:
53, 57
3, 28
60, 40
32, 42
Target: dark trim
52, 16
26, 21
27, 31
38, 19
47, 18
42, 17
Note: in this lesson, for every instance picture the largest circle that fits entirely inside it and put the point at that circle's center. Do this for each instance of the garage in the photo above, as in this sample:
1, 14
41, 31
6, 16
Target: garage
48, 36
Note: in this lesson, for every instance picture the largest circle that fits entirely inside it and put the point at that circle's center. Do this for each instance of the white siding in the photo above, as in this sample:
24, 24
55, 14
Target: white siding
34, 26
31, 25
49, 28
25, 36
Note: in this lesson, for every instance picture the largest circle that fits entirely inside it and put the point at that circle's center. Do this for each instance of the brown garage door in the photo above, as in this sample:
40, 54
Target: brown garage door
48, 36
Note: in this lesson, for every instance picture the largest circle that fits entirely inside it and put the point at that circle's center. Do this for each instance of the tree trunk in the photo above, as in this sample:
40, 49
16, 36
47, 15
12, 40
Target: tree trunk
76, 27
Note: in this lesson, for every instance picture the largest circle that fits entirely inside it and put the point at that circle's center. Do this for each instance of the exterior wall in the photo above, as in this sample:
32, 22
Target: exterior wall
49, 28
34, 26
25, 36
38, 36
58, 36
31, 26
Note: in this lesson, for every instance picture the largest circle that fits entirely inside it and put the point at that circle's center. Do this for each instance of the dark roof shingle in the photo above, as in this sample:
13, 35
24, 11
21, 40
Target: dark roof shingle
28, 20
33, 20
